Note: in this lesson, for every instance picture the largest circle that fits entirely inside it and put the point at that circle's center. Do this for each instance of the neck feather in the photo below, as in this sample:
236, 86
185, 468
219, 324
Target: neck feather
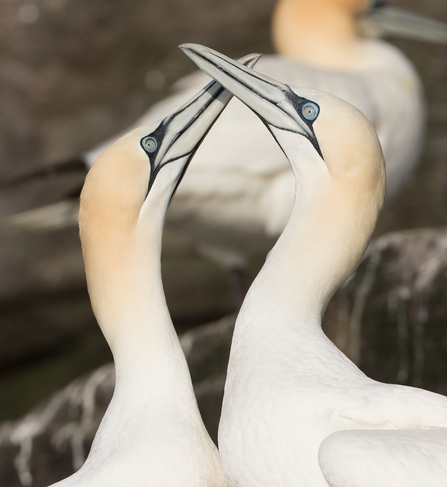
123, 269
320, 247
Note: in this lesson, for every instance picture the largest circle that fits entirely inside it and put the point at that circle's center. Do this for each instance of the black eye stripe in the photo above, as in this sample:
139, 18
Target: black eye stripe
298, 103
152, 142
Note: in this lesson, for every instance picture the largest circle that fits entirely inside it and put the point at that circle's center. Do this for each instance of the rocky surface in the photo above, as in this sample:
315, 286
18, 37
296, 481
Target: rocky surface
52, 441
390, 317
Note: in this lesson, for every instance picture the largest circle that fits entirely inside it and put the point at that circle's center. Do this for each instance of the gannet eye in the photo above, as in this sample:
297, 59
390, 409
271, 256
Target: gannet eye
150, 144
310, 111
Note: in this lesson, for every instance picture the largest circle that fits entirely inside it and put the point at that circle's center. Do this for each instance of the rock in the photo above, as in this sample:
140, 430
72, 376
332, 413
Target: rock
390, 316
53, 440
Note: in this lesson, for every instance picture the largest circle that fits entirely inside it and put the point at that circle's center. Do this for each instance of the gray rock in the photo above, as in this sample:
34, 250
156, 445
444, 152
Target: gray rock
53, 440
391, 316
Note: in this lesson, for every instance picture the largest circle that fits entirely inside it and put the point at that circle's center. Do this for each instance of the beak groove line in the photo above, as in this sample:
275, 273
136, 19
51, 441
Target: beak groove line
178, 125
270, 93
249, 87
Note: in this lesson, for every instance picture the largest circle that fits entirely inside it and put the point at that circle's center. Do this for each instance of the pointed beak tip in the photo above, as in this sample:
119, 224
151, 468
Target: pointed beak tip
191, 50
189, 47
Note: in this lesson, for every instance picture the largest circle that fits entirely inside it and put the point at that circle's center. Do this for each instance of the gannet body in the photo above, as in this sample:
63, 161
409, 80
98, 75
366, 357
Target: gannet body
152, 432
296, 410
237, 198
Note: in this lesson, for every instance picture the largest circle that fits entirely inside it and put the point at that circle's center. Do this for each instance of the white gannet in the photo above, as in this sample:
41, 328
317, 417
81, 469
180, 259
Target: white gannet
152, 432
235, 201
296, 410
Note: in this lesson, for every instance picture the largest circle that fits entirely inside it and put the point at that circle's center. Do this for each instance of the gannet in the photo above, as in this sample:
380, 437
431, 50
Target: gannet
296, 410
235, 201
152, 432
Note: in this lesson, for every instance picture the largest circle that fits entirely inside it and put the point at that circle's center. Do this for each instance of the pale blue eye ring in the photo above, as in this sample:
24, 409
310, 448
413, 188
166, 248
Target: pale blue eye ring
150, 144
310, 111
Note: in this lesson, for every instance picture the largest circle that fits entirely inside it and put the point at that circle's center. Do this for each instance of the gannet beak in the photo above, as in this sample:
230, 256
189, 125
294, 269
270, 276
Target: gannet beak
389, 21
179, 135
274, 102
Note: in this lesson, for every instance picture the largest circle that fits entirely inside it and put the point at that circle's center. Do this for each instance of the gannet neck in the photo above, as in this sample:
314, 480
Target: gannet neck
320, 33
121, 240
335, 211
152, 431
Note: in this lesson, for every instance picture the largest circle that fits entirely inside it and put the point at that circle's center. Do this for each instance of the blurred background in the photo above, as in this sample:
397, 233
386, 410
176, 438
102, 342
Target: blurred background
73, 73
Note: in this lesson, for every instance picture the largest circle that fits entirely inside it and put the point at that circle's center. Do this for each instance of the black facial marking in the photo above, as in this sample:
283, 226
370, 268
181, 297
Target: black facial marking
298, 103
295, 100
159, 134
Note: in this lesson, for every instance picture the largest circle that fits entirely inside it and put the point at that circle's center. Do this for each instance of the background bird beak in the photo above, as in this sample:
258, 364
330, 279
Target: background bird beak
271, 100
390, 21
184, 130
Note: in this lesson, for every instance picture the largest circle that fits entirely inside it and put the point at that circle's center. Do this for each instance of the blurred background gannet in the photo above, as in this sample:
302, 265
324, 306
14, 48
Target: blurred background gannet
152, 432
247, 183
296, 410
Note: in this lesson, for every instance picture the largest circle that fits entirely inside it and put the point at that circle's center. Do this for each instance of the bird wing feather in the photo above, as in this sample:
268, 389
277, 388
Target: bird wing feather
396, 406
385, 458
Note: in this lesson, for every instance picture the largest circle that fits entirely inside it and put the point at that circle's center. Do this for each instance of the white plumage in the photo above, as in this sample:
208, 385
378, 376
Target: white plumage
152, 432
296, 410
397, 457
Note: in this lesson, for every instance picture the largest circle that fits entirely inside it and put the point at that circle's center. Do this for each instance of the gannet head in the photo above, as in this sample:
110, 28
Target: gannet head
122, 180
320, 33
338, 165
325, 138
351, 6
337, 34
143, 168
124, 203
